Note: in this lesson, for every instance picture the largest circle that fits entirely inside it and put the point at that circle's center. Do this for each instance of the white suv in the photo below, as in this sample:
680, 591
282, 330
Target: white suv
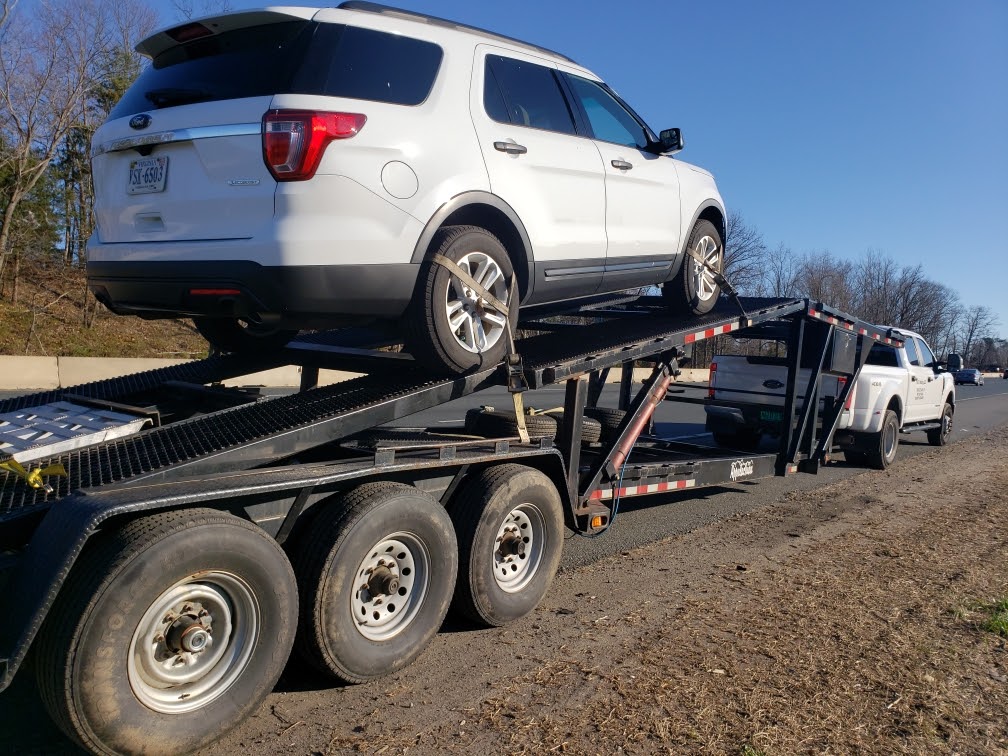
295, 167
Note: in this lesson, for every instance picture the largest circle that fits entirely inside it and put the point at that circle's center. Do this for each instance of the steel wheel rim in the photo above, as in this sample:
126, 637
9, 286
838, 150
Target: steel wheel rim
475, 325
946, 424
889, 441
710, 252
380, 610
193, 642
519, 547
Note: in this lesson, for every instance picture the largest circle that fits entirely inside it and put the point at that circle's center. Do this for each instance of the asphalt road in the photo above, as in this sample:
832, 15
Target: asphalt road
24, 727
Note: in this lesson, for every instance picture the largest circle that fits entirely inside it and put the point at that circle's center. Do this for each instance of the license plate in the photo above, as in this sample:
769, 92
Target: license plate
774, 416
147, 175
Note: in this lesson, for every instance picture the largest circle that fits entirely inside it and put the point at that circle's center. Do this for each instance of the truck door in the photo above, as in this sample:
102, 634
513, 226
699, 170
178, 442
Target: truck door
933, 388
921, 379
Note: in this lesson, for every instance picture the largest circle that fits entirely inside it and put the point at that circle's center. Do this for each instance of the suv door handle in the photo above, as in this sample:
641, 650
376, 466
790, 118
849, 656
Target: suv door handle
623, 165
511, 148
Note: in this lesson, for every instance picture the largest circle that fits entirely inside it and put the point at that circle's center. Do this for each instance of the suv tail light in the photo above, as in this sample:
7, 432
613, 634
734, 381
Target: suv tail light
295, 140
710, 385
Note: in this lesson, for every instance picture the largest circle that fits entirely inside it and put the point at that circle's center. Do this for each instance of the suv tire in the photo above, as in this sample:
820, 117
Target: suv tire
448, 330
693, 290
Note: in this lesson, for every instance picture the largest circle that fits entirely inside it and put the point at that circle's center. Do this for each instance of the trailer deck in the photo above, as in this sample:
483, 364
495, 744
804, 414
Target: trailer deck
279, 461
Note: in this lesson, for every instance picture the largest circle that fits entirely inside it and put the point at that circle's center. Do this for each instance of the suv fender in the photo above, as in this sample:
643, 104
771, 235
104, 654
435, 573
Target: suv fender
486, 210
711, 210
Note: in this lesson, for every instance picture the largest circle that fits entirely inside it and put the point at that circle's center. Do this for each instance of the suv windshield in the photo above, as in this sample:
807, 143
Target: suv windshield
292, 57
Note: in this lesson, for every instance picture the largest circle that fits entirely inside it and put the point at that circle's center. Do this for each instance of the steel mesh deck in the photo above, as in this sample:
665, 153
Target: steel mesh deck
191, 439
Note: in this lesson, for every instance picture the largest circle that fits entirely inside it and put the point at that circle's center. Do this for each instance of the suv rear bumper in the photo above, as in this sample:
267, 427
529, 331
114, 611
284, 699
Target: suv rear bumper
301, 293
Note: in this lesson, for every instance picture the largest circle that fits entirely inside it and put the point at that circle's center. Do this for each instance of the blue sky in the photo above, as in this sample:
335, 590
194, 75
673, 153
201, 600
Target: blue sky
830, 126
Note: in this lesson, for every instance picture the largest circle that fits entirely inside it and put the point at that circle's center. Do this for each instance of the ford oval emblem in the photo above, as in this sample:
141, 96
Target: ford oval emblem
773, 384
141, 121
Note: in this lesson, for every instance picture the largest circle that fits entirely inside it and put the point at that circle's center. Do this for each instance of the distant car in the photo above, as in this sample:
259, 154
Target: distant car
969, 375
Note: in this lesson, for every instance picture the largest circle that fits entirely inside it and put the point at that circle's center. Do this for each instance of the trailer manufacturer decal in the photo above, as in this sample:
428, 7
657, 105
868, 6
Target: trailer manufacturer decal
740, 468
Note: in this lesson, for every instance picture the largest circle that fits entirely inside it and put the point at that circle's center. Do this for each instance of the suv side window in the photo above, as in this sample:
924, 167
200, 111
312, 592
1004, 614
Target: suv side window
364, 64
927, 358
530, 94
911, 350
609, 120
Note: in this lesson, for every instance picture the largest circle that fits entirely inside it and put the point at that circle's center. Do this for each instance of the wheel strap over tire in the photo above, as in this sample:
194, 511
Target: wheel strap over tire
719, 278
516, 373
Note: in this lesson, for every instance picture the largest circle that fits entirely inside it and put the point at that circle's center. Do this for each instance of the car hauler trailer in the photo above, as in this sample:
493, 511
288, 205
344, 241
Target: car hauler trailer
200, 532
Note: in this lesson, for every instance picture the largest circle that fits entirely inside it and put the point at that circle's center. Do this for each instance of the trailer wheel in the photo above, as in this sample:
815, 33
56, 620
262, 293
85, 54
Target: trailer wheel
693, 289
494, 423
168, 632
375, 575
509, 521
940, 436
451, 329
880, 449
242, 336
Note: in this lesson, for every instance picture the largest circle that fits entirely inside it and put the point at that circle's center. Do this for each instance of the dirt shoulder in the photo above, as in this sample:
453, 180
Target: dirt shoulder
840, 620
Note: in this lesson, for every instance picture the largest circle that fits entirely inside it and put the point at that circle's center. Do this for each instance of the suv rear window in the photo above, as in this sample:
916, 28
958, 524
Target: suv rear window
292, 57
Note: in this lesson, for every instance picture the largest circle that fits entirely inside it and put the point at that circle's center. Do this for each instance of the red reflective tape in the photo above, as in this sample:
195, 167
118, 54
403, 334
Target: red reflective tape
691, 338
596, 494
813, 313
709, 332
863, 331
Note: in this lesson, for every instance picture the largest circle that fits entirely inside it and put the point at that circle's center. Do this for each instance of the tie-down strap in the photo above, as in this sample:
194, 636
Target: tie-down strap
513, 360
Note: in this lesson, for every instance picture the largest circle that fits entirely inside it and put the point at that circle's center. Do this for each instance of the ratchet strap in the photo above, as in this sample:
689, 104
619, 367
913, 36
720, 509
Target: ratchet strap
516, 382
34, 477
719, 278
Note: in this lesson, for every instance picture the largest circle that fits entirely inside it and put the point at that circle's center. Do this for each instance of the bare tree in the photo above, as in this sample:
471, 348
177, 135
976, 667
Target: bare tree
779, 274
186, 9
48, 62
978, 321
745, 252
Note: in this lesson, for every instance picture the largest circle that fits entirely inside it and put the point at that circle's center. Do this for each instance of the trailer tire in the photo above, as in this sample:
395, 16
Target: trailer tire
241, 336
494, 423
692, 289
106, 663
430, 335
880, 448
350, 539
509, 522
940, 436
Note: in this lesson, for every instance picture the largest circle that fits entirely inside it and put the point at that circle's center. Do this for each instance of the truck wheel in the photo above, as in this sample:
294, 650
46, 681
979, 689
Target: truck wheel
167, 633
881, 447
509, 521
242, 336
450, 329
693, 289
375, 575
939, 436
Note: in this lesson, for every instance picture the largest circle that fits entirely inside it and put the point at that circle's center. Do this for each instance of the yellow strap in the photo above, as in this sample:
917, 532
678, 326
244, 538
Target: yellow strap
34, 478
523, 433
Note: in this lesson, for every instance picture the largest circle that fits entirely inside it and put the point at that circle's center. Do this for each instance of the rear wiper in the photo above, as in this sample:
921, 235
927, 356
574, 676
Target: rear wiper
163, 98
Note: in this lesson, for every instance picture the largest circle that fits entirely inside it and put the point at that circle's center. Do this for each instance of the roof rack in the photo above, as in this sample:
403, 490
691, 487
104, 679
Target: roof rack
387, 10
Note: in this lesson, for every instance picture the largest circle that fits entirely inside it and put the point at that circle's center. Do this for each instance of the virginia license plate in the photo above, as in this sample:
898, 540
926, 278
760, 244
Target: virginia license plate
774, 416
147, 175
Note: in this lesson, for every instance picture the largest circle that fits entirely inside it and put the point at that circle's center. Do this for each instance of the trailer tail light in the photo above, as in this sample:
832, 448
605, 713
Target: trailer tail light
295, 140
710, 384
841, 382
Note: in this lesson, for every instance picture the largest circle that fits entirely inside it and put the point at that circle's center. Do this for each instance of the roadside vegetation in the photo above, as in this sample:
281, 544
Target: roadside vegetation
65, 63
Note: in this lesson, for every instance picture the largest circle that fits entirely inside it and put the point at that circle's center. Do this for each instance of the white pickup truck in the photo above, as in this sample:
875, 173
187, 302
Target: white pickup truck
899, 390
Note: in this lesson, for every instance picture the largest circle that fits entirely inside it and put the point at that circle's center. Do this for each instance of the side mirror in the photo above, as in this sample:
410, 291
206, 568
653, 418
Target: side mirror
670, 141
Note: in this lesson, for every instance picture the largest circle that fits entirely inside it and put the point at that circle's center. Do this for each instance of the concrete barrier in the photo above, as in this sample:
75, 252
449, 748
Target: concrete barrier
41, 373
